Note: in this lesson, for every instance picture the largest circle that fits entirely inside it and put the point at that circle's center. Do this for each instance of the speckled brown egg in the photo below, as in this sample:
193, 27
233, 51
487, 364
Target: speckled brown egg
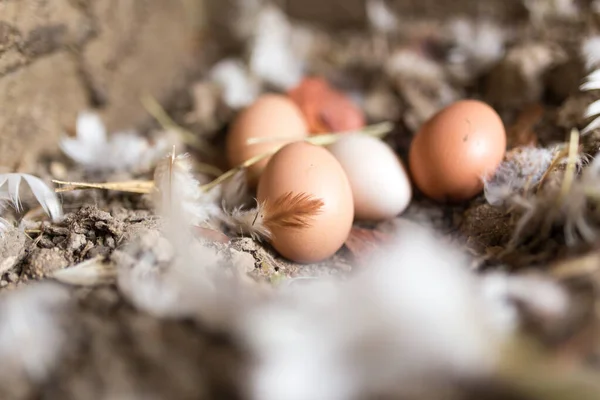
270, 116
309, 202
456, 149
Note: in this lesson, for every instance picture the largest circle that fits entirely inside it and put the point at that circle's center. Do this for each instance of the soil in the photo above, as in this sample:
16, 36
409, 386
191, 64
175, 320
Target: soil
106, 54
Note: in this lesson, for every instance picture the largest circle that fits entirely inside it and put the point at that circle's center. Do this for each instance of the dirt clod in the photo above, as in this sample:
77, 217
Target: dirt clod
42, 262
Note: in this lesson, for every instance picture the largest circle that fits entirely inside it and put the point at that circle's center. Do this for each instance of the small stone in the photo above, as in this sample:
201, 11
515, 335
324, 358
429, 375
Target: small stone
246, 244
58, 230
12, 246
3, 283
46, 243
76, 241
7, 264
13, 277
110, 242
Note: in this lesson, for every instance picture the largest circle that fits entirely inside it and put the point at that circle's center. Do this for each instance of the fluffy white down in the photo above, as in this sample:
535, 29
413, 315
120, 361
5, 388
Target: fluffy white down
414, 315
272, 56
94, 150
31, 335
521, 170
239, 88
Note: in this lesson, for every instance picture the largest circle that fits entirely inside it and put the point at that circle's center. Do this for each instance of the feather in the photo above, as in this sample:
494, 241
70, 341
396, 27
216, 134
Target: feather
272, 56
179, 196
248, 222
95, 151
380, 16
291, 211
590, 50
88, 273
593, 110
522, 170
32, 335
288, 211
9, 190
239, 89
415, 315
235, 191
4, 224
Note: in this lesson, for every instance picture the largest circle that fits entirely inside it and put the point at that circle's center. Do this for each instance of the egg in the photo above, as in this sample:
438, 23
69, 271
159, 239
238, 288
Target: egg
302, 170
270, 116
455, 149
325, 108
380, 185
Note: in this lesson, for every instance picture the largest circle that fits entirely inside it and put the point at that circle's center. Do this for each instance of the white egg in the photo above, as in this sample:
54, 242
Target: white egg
380, 184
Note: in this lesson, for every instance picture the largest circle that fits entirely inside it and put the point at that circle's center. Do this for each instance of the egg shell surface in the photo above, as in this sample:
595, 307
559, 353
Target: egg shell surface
380, 185
458, 147
305, 168
270, 116
325, 108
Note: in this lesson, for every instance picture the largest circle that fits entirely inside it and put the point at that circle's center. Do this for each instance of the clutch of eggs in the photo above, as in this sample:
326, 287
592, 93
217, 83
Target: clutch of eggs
359, 176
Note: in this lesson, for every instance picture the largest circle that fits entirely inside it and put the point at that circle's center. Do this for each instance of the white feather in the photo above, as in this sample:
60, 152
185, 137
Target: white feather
590, 50
170, 273
506, 294
9, 190
92, 149
272, 56
4, 224
380, 16
239, 88
31, 335
477, 43
415, 315
179, 195
91, 272
521, 170
593, 109
592, 82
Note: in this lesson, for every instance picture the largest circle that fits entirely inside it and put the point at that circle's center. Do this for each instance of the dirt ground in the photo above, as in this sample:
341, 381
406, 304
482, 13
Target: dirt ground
113, 350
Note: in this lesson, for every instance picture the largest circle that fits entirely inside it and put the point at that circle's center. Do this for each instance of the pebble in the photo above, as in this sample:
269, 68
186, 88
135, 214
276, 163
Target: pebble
110, 242
76, 241
244, 262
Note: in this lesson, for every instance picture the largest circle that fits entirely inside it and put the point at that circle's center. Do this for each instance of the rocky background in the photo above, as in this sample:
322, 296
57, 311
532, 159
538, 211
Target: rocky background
59, 56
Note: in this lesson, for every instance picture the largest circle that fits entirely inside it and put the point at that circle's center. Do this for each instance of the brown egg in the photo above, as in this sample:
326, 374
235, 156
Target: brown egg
455, 149
325, 108
270, 116
315, 220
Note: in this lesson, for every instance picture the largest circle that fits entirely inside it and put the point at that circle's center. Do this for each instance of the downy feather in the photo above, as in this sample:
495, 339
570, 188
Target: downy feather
179, 195
95, 151
9, 190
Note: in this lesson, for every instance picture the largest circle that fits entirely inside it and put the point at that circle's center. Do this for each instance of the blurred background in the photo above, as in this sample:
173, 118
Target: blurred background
58, 57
